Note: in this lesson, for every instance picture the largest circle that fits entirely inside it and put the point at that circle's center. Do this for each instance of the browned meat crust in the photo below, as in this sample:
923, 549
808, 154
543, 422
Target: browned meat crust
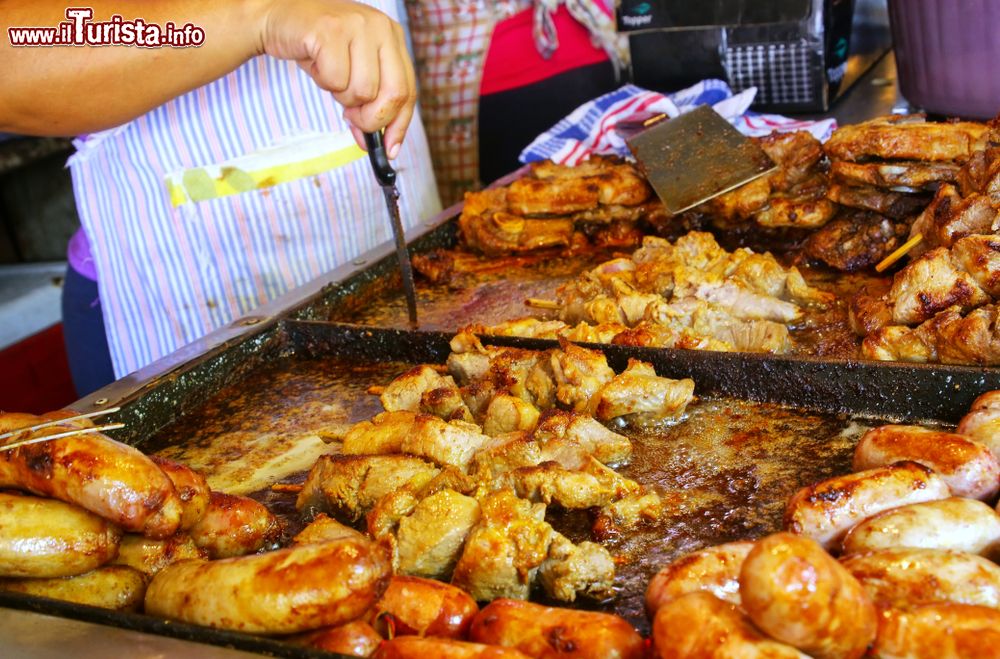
855, 240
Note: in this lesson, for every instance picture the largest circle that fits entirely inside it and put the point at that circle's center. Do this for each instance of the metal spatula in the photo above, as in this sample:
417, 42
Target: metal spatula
693, 157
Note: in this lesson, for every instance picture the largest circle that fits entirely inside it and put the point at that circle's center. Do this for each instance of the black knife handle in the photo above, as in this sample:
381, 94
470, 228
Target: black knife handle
384, 172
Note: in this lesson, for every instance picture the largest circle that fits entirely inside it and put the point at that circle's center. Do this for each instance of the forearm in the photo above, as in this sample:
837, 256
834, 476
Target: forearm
67, 90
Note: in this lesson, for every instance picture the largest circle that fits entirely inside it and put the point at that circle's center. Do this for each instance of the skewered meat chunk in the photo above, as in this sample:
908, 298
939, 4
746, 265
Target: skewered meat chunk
901, 137
429, 540
638, 393
931, 284
950, 217
550, 482
979, 255
867, 313
422, 435
349, 485
505, 549
586, 569
796, 153
948, 337
795, 212
908, 174
898, 343
855, 241
423, 389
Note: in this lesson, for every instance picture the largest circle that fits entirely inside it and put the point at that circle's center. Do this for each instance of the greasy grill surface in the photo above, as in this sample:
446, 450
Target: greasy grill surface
493, 290
725, 472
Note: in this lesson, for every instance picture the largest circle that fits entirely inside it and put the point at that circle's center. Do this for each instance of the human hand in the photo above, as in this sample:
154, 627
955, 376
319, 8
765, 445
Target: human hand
352, 50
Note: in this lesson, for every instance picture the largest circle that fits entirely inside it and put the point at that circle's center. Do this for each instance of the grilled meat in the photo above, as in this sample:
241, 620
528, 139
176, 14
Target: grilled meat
856, 240
931, 284
423, 389
948, 337
429, 540
570, 570
906, 137
422, 435
920, 175
638, 393
897, 205
349, 485
950, 217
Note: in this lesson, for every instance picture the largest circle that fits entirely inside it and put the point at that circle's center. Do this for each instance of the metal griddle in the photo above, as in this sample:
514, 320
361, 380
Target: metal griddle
292, 327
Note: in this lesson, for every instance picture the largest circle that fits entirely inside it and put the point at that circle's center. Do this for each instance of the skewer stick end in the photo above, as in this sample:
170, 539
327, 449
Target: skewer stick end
538, 303
899, 253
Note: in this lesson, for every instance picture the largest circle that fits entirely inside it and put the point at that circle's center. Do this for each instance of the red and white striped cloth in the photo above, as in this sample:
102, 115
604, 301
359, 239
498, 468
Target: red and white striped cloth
591, 127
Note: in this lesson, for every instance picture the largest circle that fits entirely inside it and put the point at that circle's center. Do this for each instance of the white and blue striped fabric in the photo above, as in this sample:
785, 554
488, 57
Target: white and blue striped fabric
169, 275
591, 127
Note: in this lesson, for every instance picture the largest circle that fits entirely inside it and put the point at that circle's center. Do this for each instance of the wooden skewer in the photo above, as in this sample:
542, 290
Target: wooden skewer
69, 433
899, 253
88, 415
286, 487
538, 303
654, 120
375, 390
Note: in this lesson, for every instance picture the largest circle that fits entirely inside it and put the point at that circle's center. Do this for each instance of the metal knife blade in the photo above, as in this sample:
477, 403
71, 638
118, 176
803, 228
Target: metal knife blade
386, 177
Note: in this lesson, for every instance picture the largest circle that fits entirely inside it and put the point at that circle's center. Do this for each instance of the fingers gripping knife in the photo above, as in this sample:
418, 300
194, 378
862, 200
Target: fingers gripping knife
386, 177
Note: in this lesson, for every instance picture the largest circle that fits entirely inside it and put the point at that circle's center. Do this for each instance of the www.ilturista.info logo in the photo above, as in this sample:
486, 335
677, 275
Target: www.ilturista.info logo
80, 30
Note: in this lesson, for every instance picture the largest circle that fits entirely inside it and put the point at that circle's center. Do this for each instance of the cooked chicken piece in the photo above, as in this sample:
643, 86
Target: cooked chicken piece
982, 173
909, 174
592, 166
422, 435
559, 430
694, 324
556, 196
931, 284
572, 570
579, 374
348, 486
600, 333
746, 304
507, 413
639, 394
504, 550
550, 483
502, 233
898, 343
429, 540
855, 241
979, 255
949, 217
867, 313
527, 327
897, 205
797, 289
423, 389
626, 513
511, 451
796, 153
902, 137
466, 367
794, 212
741, 203
323, 529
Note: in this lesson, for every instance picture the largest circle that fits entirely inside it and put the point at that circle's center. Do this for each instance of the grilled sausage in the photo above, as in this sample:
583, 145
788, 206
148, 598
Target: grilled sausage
415, 647
907, 578
967, 466
798, 594
982, 423
699, 625
424, 607
355, 639
713, 569
939, 631
281, 592
95, 472
546, 632
149, 556
49, 538
110, 587
961, 524
191, 489
234, 526
827, 510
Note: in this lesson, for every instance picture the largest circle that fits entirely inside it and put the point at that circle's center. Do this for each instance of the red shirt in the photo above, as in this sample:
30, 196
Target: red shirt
512, 60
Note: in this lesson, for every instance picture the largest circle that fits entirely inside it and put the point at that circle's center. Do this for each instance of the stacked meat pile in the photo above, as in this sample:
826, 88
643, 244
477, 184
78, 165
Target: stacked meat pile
794, 196
915, 577
883, 173
687, 294
555, 206
941, 306
455, 476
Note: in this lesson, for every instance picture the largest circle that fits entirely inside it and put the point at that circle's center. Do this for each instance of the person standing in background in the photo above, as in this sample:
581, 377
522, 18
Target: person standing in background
494, 75
213, 179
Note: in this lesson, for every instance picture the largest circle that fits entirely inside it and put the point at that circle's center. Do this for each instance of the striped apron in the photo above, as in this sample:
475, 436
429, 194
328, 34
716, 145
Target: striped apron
225, 198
